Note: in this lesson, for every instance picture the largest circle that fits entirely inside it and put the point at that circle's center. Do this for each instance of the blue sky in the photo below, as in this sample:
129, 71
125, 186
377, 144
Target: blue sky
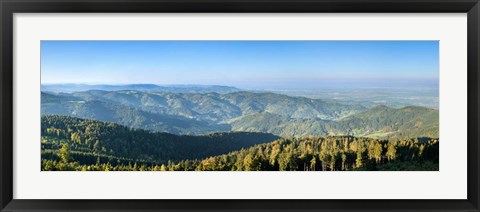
245, 64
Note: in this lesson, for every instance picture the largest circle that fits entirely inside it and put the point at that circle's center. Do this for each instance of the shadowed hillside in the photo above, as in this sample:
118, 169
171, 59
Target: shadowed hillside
89, 140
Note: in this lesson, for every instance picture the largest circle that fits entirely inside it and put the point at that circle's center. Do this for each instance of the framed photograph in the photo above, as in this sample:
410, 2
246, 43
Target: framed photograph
265, 105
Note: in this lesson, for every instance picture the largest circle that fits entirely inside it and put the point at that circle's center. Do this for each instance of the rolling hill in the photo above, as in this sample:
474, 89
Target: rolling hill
203, 113
219, 107
128, 116
380, 121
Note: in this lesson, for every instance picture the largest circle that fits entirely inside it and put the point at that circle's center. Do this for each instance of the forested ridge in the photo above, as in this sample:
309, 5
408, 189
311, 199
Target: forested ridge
90, 142
70, 143
339, 153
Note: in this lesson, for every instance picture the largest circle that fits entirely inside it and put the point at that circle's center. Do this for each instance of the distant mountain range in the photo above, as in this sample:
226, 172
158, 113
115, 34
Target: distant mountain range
70, 87
205, 111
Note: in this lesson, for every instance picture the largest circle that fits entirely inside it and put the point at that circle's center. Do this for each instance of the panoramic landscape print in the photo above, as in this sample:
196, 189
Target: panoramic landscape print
239, 106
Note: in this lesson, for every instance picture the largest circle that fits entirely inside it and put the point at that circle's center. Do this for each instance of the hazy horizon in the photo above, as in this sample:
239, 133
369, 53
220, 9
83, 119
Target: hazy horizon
242, 64
319, 84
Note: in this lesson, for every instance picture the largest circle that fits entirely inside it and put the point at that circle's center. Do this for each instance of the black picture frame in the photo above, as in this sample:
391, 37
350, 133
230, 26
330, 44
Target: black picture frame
9, 7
